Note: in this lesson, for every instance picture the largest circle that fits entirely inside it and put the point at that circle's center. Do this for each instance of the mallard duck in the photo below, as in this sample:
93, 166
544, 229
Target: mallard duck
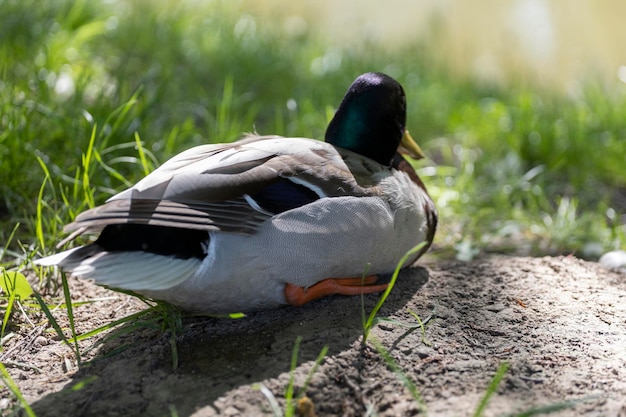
267, 221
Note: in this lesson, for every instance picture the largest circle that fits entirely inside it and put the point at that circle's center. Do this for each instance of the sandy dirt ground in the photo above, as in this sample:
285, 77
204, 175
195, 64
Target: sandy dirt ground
560, 324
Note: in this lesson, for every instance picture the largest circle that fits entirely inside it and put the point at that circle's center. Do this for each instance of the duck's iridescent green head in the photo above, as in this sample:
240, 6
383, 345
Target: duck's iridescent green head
371, 118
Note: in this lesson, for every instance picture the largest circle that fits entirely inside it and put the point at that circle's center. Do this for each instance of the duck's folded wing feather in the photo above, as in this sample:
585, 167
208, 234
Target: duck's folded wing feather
232, 216
226, 171
228, 187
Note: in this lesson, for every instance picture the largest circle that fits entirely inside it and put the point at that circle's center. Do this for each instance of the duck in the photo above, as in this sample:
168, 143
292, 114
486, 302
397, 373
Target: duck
267, 221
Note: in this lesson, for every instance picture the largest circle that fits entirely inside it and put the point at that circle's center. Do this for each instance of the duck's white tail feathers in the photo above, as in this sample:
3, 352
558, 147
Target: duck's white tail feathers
58, 259
134, 271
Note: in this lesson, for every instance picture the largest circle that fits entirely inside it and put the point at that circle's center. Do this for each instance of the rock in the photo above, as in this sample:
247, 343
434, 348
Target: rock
615, 260
41, 341
4, 403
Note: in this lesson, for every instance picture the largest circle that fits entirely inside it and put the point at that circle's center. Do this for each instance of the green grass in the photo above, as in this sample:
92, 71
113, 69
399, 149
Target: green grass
483, 404
372, 317
12, 386
513, 169
293, 402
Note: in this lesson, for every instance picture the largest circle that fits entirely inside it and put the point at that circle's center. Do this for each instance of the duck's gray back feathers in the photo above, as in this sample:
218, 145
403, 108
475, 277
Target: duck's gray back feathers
209, 187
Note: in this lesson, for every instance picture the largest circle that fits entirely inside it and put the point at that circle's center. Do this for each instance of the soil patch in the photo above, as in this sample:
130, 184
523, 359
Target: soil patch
560, 323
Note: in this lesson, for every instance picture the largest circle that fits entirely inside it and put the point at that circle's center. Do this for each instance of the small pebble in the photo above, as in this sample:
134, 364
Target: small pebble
386, 327
424, 352
41, 340
615, 260
4, 403
496, 308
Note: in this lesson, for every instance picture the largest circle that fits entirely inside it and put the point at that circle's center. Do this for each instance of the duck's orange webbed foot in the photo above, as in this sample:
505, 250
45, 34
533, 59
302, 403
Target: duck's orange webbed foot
298, 296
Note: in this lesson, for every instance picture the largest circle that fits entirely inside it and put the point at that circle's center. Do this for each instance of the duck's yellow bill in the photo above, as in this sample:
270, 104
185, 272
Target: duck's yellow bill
408, 146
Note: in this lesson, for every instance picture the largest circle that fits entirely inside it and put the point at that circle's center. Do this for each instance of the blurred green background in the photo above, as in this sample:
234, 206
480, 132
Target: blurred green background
519, 104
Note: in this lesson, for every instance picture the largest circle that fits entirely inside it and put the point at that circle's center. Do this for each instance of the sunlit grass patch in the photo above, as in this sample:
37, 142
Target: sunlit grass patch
529, 173
506, 161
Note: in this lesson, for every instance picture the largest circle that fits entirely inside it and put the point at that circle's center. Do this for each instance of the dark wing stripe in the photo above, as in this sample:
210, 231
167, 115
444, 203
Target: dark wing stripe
232, 216
283, 195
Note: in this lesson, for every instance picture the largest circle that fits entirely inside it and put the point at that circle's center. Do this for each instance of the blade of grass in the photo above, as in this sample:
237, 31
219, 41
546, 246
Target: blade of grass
402, 376
9, 307
119, 116
551, 408
86, 165
367, 326
289, 406
9, 240
419, 321
39, 210
142, 155
224, 108
113, 173
276, 411
8, 381
70, 315
149, 323
316, 365
17, 287
422, 324
491, 389
173, 345
110, 325
53, 322
83, 383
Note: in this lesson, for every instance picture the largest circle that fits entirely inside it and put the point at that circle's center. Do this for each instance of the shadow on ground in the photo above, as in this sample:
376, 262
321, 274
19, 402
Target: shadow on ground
215, 356
558, 322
